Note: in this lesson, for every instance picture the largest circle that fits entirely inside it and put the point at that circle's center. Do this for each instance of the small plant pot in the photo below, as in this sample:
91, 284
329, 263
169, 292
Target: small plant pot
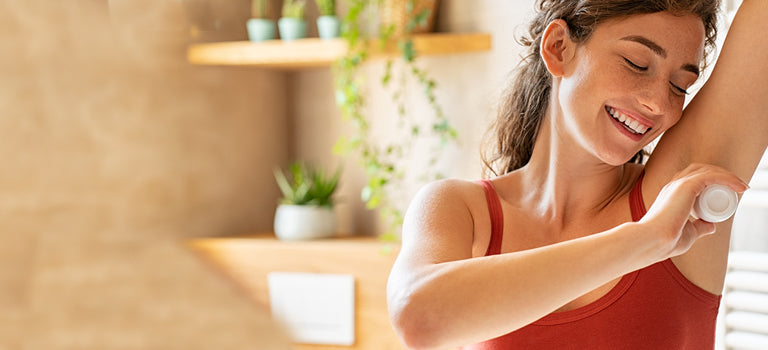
292, 28
328, 27
260, 29
304, 222
395, 13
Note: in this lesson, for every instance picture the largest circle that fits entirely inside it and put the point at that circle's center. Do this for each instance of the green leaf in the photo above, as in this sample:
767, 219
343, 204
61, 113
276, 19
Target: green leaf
406, 50
385, 33
387, 74
307, 185
283, 184
341, 98
373, 201
409, 6
342, 146
365, 193
372, 167
387, 250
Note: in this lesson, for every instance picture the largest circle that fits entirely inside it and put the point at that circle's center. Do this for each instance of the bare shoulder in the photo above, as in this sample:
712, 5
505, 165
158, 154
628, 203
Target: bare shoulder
439, 223
447, 189
443, 201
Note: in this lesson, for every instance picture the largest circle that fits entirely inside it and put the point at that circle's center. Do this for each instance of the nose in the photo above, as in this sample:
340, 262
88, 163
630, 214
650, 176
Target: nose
655, 96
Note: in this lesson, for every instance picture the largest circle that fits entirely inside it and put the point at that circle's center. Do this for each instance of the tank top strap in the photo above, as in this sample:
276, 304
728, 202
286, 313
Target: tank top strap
636, 204
497, 217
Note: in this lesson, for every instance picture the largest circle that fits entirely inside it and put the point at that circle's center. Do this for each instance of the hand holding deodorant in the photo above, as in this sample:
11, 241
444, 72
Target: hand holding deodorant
716, 203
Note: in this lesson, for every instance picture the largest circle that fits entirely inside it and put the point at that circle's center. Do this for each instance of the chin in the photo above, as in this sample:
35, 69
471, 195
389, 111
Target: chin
616, 159
616, 164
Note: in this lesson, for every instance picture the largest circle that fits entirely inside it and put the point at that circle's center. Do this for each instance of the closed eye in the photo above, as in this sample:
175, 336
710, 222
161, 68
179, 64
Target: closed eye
635, 66
679, 89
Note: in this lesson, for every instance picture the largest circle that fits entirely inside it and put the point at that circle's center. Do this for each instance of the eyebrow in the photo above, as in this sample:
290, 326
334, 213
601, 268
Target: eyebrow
657, 49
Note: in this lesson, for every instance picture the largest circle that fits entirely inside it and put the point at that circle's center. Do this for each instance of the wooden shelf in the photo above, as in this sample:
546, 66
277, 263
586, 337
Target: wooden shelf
314, 52
246, 260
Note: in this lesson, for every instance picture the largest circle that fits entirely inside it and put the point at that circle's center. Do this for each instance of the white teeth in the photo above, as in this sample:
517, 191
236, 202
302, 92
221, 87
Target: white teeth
630, 123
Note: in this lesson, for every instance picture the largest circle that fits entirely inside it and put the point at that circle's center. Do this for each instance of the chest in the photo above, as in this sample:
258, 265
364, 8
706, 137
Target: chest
522, 231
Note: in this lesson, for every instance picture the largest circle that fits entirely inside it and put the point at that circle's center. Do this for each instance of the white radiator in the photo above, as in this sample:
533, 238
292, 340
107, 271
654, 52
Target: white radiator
746, 301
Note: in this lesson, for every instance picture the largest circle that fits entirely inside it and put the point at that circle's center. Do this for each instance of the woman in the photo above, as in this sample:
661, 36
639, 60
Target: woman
581, 264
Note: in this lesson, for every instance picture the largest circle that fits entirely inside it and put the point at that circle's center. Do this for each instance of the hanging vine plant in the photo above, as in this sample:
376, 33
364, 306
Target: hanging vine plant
384, 161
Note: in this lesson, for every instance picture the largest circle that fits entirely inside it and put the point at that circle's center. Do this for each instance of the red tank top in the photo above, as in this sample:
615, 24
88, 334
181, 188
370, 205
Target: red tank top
655, 307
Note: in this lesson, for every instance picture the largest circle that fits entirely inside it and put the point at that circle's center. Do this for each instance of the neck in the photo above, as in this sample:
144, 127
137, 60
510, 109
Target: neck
564, 183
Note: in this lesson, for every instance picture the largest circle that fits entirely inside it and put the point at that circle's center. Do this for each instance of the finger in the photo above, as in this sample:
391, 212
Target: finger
703, 228
705, 175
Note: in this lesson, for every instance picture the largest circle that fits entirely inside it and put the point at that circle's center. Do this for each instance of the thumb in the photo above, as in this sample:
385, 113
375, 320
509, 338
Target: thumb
703, 228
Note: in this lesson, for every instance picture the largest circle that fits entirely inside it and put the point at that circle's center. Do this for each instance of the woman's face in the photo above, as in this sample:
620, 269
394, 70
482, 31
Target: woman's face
627, 83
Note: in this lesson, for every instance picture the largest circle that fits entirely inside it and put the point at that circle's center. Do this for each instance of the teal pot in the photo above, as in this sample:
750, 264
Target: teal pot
328, 27
260, 29
292, 28
304, 222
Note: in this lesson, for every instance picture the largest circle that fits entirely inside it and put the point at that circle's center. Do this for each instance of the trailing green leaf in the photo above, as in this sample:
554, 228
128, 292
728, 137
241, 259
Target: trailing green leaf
383, 164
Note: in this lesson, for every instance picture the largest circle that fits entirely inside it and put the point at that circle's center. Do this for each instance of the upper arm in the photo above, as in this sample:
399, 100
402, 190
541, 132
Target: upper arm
726, 124
438, 227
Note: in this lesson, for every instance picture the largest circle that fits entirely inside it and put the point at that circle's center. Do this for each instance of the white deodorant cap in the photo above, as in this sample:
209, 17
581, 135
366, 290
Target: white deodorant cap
716, 203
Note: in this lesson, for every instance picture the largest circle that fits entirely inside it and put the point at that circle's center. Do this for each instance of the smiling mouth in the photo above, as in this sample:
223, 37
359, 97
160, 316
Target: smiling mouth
630, 124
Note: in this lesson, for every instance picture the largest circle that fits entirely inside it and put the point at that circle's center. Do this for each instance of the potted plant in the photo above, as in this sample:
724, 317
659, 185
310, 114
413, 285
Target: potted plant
292, 25
328, 25
260, 26
406, 17
306, 209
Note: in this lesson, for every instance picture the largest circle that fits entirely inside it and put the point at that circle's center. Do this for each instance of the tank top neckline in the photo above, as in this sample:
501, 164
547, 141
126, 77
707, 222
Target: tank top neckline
637, 209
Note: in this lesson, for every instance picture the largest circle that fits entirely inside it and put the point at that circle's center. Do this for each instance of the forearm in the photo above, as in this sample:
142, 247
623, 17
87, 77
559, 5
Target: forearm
467, 301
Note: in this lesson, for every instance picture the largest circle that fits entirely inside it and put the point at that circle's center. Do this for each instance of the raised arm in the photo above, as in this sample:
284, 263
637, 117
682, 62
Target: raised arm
726, 123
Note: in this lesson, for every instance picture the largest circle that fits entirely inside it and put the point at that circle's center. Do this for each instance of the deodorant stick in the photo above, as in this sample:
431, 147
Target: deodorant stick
716, 203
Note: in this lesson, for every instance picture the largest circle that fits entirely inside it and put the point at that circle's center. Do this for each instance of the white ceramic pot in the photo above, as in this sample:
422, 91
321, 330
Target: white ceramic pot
292, 28
303, 222
328, 27
260, 29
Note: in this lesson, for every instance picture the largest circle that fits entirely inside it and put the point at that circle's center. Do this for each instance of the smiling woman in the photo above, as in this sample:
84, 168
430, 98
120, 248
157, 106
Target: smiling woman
575, 242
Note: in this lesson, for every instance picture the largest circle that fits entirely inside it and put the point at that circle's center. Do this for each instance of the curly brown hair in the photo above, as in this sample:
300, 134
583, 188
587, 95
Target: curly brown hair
525, 99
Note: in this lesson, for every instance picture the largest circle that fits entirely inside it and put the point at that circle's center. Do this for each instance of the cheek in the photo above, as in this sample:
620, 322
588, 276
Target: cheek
585, 91
580, 84
674, 118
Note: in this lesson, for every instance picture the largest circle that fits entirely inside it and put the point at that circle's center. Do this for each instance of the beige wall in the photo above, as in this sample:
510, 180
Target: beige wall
115, 150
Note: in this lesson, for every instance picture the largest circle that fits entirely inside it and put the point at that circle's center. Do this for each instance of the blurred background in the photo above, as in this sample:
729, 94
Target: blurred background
117, 151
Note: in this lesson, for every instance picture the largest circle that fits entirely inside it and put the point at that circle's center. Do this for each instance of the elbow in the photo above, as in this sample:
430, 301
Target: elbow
416, 327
